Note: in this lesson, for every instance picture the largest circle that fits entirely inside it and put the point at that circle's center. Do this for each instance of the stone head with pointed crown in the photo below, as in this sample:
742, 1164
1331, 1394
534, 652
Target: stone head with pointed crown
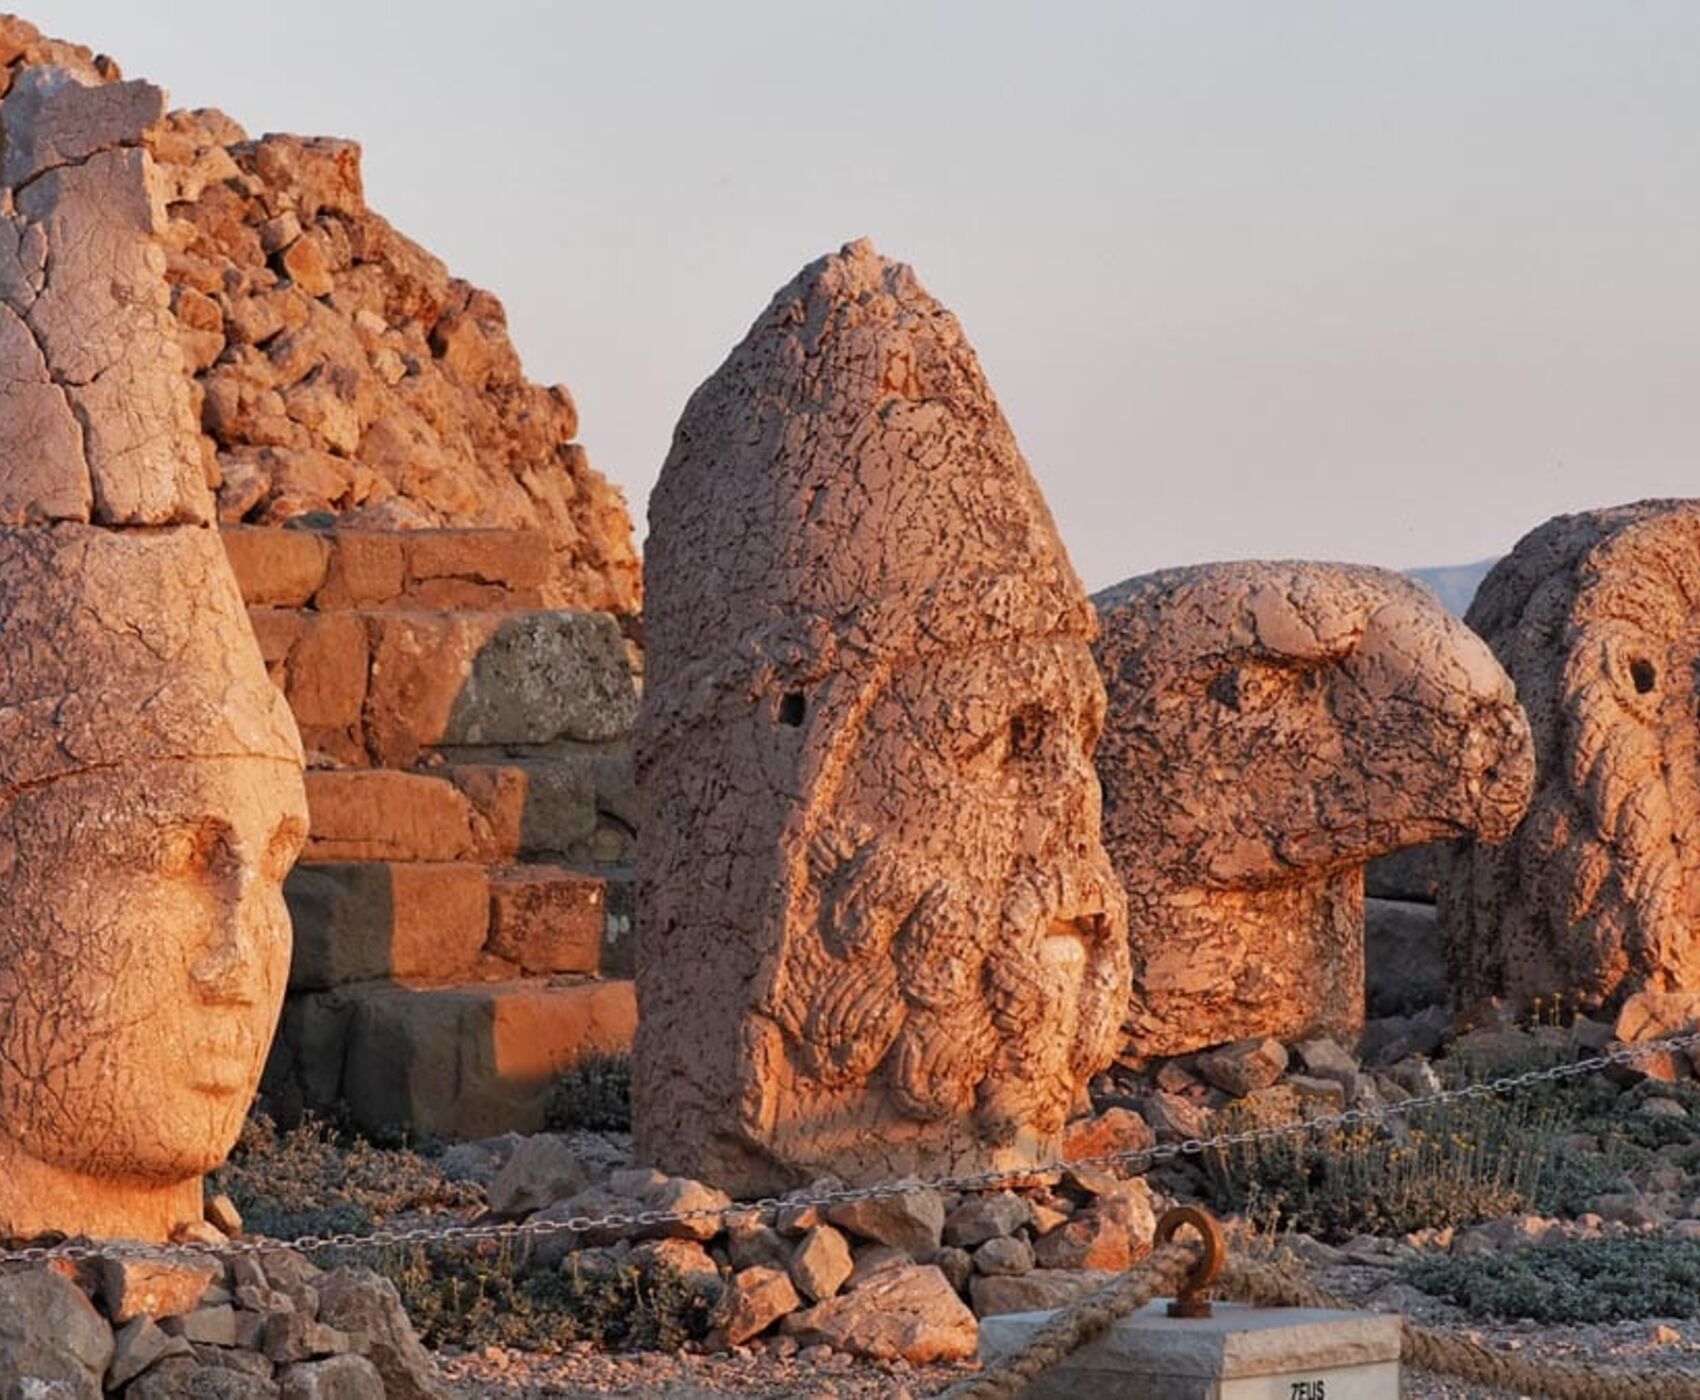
877, 930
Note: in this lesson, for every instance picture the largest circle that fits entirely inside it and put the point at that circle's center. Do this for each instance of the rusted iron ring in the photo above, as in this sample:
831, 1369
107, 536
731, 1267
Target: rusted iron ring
1187, 1302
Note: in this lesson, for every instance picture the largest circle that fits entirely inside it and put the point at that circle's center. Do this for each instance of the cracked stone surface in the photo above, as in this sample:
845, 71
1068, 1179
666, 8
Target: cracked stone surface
87, 284
150, 775
877, 930
1594, 615
1271, 727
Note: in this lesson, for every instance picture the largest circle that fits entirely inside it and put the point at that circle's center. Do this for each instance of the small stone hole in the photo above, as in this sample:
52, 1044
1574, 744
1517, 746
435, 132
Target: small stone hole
1642, 673
792, 709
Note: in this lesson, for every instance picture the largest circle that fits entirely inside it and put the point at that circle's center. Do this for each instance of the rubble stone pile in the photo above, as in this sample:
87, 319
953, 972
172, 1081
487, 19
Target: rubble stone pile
265, 1326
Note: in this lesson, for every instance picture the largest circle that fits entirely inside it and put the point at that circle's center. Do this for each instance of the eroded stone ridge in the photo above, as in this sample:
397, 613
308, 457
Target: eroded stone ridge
150, 774
877, 929
1271, 727
1594, 897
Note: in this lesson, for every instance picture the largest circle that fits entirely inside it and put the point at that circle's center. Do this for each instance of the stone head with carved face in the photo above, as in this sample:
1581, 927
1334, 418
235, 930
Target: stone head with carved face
877, 929
150, 804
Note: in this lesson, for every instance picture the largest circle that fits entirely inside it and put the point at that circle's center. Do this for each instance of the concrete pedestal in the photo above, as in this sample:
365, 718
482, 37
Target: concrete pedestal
1241, 1353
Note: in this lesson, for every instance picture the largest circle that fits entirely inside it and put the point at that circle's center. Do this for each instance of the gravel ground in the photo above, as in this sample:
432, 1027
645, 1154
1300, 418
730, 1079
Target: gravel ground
754, 1372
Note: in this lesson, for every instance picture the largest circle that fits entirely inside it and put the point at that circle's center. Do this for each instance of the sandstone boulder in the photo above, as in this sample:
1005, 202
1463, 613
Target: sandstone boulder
912, 1221
754, 1300
912, 1313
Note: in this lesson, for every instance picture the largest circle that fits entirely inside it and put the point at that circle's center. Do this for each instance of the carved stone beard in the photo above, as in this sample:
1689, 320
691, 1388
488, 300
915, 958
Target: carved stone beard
983, 1005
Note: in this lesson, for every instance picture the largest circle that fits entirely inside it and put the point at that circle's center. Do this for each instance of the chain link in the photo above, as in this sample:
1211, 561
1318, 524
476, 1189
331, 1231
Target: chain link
768, 1206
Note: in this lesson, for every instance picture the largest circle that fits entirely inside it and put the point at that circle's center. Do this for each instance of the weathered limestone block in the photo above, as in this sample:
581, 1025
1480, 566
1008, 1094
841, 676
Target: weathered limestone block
1595, 895
277, 568
455, 1062
52, 1341
467, 678
545, 919
377, 814
1404, 963
1272, 727
420, 570
150, 773
321, 662
878, 932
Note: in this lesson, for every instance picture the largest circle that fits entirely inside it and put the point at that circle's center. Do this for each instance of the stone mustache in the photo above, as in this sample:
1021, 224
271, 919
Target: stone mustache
1272, 727
878, 933
150, 775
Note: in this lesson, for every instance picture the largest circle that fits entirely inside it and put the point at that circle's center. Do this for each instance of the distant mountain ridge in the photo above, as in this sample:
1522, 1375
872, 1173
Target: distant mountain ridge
1454, 584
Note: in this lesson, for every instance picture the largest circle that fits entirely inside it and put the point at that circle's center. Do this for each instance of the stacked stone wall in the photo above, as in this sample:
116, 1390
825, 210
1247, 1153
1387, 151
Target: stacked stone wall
462, 910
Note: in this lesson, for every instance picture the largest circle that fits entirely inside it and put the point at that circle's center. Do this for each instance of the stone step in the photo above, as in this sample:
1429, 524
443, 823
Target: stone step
456, 1062
381, 687
570, 807
381, 815
431, 921
359, 921
545, 918
334, 569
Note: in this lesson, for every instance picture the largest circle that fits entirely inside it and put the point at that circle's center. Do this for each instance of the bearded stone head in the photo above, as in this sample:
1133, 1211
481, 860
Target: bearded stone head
1597, 896
877, 929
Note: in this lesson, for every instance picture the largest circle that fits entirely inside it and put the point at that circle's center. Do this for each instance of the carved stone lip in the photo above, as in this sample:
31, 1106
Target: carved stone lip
222, 1065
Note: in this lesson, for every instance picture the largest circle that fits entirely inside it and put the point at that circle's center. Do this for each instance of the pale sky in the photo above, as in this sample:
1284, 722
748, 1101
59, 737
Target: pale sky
1387, 282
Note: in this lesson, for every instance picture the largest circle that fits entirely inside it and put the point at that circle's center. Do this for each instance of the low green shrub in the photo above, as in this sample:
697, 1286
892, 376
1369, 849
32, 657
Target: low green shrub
1471, 1160
479, 1295
311, 1180
1576, 1281
595, 1094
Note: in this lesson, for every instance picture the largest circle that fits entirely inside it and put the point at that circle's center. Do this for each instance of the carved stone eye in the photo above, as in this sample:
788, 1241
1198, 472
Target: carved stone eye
1026, 734
1642, 673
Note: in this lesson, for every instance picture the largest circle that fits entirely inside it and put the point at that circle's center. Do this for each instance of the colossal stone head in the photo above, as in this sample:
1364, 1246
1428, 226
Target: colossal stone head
1271, 728
1597, 896
877, 929
150, 775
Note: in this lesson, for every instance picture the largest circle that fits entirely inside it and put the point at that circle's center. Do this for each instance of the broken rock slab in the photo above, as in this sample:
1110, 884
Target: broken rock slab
911, 1313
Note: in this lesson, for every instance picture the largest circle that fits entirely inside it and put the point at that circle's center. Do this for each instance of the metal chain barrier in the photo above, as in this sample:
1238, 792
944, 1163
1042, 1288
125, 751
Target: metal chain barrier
1139, 1158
